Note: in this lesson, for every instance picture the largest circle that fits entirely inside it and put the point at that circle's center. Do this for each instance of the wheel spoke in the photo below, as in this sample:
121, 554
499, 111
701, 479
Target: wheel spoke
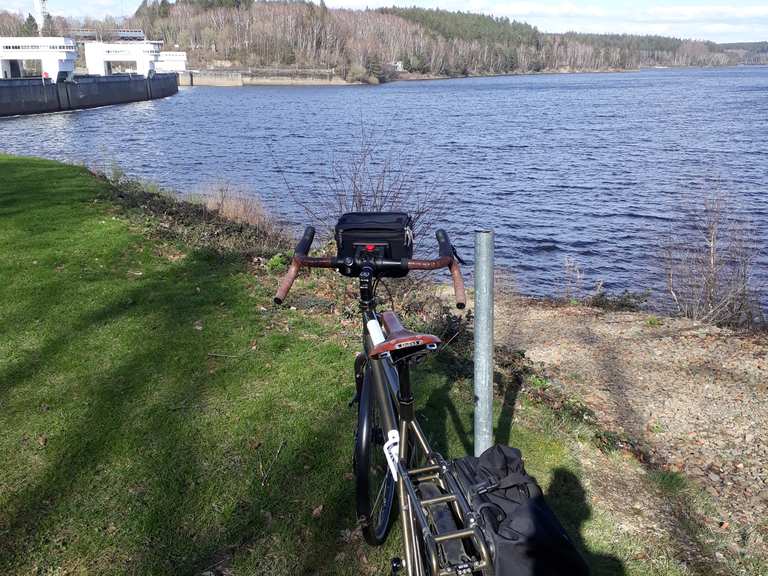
379, 495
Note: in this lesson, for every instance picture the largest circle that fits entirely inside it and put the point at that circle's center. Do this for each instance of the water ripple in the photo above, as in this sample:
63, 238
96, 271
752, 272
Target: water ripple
597, 167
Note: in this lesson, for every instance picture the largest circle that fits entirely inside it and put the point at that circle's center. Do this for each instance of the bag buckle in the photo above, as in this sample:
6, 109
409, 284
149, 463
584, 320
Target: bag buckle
487, 487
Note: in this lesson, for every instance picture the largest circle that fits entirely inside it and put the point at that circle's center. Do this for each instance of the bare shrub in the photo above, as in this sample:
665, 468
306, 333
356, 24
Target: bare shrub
224, 220
708, 262
572, 284
231, 205
377, 177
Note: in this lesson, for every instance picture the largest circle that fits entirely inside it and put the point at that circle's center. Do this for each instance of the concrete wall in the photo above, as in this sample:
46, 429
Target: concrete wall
27, 96
102, 90
259, 76
32, 96
216, 78
162, 85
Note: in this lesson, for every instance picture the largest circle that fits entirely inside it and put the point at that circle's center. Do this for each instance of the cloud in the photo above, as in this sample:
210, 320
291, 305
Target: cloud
705, 13
17, 6
560, 9
743, 21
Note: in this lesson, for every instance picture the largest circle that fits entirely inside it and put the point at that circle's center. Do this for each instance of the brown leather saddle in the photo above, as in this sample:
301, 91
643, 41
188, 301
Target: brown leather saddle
401, 342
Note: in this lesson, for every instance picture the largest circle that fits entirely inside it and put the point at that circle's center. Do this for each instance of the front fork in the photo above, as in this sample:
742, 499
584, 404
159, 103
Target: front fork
359, 377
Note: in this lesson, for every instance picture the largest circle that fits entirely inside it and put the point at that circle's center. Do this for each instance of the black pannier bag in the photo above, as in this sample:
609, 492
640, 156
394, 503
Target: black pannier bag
388, 235
524, 535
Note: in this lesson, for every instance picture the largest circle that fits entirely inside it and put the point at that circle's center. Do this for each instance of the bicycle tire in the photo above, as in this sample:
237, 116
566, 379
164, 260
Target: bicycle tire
442, 521
373, 482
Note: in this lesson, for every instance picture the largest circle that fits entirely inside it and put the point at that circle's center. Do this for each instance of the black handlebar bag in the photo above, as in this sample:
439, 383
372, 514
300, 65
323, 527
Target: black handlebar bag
522, 531
387, 235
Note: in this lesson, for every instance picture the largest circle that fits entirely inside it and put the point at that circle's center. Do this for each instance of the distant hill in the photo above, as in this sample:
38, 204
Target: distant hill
373, 44
749, 46
747, 52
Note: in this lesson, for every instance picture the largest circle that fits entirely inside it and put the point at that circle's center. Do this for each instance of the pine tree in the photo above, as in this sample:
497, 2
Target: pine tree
30, 27
49, 28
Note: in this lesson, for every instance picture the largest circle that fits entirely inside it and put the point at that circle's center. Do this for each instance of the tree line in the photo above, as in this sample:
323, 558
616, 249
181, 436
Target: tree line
427, 41
373, 44
16, 25
748, 52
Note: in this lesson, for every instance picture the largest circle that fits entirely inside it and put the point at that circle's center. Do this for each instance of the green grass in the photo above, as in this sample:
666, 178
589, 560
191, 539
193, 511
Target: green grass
159, 416
669, 482
653, 321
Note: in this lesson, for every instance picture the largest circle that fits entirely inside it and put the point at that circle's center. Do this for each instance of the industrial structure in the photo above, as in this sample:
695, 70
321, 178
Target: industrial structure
41, 10
104, 58
82, 35
56, 56
38, 74
171, 62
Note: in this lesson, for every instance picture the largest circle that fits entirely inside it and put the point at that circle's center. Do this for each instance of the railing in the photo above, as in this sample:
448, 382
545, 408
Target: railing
53, 47
126, 34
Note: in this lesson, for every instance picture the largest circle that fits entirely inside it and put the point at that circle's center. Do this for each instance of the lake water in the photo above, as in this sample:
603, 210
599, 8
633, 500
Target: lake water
595, 167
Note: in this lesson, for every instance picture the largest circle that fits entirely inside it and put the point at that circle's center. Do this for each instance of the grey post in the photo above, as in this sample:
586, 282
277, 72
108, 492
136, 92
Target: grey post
483, 340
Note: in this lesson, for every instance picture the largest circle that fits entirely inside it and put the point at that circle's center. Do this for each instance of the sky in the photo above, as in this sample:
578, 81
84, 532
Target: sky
717, 20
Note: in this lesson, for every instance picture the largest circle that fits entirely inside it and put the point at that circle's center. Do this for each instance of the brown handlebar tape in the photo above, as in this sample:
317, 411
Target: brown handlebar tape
458, 285
329, 262
287, 281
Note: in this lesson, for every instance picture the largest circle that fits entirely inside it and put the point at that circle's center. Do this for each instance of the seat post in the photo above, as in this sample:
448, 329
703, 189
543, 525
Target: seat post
405, 394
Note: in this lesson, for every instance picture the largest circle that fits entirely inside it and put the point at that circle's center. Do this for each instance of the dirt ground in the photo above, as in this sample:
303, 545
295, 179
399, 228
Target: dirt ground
694, 398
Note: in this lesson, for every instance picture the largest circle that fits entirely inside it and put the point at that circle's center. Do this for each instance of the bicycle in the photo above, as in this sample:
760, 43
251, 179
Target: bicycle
392, 457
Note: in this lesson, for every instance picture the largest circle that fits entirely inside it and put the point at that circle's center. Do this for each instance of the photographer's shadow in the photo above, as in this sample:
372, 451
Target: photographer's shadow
568, 499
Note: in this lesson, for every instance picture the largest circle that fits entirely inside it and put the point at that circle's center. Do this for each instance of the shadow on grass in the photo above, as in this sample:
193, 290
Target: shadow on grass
688, 531
129, 481
440, 411
568, 499
110, 420
566, 495
137, 408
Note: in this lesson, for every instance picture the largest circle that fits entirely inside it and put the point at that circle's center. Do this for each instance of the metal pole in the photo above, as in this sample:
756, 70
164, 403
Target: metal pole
483, 340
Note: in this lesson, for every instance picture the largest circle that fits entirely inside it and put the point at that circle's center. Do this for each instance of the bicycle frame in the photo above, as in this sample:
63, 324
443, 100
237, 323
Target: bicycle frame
392, 393
392, 387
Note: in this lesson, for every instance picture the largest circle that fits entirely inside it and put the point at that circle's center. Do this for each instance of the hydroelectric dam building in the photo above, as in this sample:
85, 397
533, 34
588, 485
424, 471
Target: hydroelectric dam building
37, 74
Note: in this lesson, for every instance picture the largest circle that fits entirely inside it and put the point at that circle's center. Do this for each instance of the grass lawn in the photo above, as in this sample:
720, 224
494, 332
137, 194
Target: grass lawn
159, 416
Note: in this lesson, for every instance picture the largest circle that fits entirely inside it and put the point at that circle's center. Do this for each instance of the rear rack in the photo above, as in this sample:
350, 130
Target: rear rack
468, 532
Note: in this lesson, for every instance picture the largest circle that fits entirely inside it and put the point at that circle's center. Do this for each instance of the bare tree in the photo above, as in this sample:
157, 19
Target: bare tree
708, 264
10, 24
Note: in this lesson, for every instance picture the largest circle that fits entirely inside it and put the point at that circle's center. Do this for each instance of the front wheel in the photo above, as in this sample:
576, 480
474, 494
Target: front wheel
374, 484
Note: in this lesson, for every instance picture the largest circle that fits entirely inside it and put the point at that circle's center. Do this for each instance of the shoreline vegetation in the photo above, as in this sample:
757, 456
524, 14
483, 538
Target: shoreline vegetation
288, 80
155, 403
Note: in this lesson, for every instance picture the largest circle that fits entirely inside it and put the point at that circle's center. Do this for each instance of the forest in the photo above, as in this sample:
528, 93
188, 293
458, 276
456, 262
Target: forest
748, 52
375, 45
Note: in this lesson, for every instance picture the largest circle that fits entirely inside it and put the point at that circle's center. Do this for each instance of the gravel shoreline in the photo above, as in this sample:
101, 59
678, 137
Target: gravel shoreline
693, 396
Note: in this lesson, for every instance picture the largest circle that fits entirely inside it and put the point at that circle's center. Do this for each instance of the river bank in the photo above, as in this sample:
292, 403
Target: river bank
226, 77
691, 397
155, 403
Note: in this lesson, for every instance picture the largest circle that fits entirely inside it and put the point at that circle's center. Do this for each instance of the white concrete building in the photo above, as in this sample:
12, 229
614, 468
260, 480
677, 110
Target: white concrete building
54, 53
171, 62
135, 57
